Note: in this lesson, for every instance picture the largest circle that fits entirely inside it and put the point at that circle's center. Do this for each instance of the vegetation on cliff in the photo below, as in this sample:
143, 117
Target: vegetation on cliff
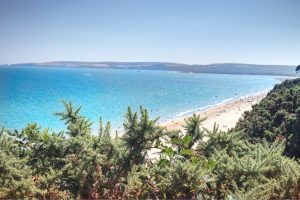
277, 117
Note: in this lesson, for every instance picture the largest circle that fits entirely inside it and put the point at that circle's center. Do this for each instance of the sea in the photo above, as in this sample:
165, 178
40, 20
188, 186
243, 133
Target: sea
33, 94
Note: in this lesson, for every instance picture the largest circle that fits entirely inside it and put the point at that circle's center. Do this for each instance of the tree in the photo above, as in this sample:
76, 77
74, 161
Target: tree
76, 124
258, 171
297, 68
140, 135
193, 129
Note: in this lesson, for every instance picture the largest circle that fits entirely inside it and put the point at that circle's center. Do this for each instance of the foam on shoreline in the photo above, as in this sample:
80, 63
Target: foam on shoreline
225, 113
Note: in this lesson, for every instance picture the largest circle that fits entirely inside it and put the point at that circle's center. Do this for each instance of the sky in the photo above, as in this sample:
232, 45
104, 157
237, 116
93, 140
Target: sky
182, 31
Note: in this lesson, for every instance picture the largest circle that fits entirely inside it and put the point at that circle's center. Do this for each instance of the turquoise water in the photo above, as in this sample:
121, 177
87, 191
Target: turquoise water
29, 94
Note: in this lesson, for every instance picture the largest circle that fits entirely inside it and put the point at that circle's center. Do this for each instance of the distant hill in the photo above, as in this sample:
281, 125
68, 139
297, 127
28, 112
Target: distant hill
222, 68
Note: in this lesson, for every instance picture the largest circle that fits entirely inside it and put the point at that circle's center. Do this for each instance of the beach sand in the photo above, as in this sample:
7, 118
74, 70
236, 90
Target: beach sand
225, 115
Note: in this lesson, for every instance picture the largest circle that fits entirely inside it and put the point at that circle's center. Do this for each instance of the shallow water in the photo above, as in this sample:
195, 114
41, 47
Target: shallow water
31, 94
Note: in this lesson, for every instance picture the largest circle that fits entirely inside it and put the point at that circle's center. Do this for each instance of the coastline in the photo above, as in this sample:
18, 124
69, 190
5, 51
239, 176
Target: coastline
226, 115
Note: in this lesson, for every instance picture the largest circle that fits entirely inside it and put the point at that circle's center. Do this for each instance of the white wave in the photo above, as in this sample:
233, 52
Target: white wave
218, 103
184, 113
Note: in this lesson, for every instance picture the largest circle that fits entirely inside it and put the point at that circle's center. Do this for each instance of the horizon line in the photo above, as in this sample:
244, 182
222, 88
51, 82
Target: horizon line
216, 63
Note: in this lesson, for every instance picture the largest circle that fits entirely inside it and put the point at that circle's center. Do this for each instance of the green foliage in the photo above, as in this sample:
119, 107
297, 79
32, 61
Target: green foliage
178, 174
15, 175
259, 170
181, 180
229, 142
297, 68
276, 117
76, 125
194, 130
141, 134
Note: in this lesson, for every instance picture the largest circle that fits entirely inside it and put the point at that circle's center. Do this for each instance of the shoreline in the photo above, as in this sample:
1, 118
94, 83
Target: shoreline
226, 114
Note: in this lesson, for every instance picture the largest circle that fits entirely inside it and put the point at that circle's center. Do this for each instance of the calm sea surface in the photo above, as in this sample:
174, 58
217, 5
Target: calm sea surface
29, 94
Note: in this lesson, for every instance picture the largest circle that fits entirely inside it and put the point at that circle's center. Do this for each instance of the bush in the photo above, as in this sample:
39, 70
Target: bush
276, 116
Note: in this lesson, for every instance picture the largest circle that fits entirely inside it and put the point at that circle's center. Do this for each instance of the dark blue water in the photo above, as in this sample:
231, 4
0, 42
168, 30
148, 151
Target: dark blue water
29, 94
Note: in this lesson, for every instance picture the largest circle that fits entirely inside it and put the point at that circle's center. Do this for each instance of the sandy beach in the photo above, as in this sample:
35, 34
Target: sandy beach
226, 115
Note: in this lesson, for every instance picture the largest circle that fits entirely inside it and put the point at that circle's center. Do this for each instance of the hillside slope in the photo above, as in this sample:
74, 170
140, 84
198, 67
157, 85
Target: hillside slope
276, 117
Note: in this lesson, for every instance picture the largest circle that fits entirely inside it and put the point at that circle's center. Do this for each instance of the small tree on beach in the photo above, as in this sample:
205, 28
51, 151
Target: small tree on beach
193, 129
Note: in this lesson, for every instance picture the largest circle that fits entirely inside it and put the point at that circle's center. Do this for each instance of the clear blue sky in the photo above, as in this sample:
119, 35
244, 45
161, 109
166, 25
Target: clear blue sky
185, 31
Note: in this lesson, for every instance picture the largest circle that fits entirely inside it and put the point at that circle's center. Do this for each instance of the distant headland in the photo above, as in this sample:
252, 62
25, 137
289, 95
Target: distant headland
218, 68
